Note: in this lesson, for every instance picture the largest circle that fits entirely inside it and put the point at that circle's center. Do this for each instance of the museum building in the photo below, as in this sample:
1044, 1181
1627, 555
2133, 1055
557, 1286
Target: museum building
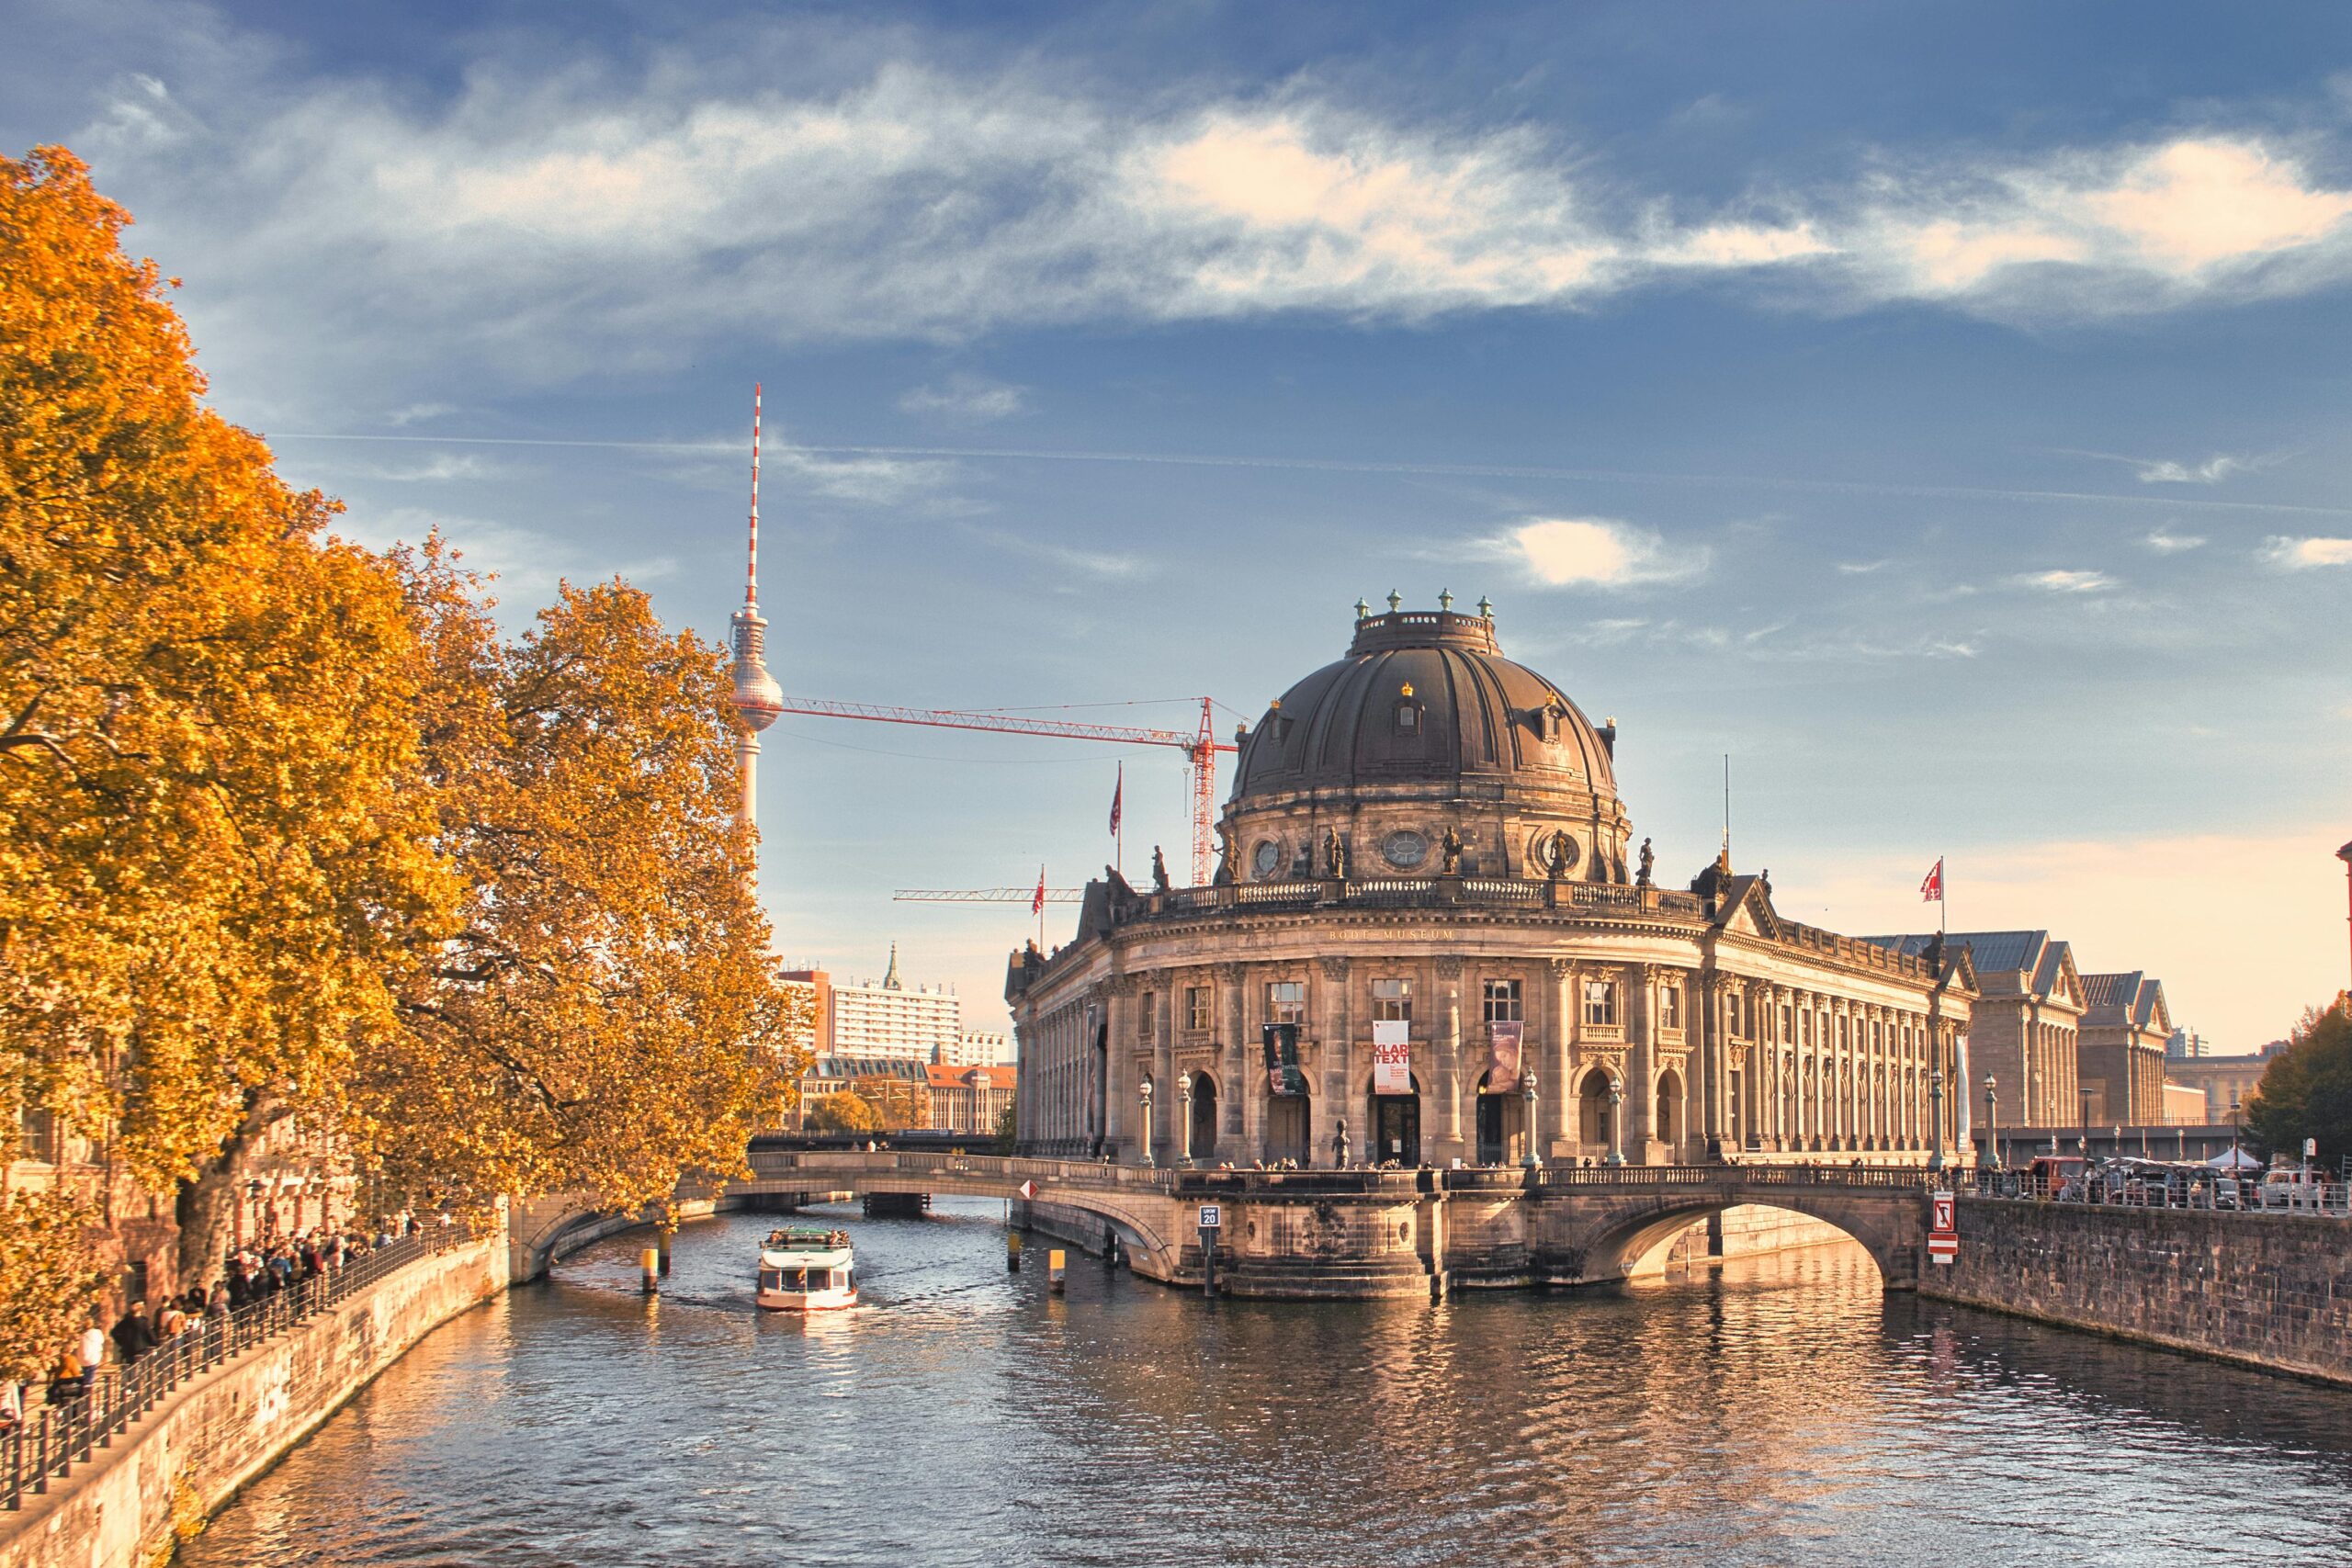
1430, 924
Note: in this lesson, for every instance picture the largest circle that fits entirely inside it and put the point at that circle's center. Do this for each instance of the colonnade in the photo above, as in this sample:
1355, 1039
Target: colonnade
1701, 1061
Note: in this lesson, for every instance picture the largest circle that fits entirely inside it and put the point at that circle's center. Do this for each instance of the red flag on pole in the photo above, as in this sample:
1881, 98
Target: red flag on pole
1037, 904
1931, 891
1117, 789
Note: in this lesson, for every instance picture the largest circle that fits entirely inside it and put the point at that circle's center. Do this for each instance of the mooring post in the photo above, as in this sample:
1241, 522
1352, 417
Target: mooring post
1012, 1252
666, 1233
1055, 1262
1209, 1261
649, 1261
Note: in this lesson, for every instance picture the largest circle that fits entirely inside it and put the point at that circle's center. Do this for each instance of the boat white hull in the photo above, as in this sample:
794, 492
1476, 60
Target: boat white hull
813, 1301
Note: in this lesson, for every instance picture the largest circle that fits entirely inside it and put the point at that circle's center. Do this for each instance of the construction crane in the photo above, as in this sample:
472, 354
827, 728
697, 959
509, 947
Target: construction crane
1200, 750
984, 895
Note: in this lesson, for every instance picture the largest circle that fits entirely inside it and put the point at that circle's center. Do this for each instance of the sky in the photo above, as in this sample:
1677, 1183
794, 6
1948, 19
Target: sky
1939, 409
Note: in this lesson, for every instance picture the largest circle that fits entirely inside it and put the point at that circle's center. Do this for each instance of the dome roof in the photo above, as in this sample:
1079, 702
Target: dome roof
1425, 699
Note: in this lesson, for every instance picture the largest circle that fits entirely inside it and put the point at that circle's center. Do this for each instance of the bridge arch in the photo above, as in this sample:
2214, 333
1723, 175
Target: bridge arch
1604, 1239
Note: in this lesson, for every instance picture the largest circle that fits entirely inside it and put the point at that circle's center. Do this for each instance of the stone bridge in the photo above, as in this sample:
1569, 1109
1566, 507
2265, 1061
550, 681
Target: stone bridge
1376, 1232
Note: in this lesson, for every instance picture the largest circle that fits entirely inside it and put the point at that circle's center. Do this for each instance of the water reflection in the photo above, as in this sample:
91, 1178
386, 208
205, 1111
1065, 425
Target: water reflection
1781, 1412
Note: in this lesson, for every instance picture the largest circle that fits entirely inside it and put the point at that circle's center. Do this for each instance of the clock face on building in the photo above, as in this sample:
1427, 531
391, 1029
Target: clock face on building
1263, 857
1405, 848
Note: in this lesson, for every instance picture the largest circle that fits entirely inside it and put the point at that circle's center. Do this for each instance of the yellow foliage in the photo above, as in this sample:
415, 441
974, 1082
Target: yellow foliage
211, 870
608, 1017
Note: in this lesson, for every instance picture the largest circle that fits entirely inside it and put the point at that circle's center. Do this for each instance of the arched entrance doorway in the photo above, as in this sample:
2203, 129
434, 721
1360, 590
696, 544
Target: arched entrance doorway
1393, 1128
1592, 1113
1288, 1119
1203, 1119
1669, 1112
1502, 1124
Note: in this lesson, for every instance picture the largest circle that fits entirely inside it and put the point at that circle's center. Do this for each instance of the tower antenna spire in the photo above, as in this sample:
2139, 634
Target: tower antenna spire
751, 567
758, 699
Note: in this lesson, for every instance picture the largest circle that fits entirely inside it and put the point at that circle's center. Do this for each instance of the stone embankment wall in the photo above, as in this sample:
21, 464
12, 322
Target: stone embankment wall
2270, 1290
195, 1449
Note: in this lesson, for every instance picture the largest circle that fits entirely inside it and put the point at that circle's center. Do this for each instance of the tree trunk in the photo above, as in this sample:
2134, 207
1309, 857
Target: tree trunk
206, 1205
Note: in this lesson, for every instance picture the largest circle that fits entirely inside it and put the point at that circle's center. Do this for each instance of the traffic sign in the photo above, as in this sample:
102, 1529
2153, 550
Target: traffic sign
1943, 1218
1027, 1190
1943, 1248
1212, 1216
1943, 1233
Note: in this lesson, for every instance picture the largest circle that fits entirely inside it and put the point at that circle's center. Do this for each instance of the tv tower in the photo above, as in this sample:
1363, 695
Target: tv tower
758, 699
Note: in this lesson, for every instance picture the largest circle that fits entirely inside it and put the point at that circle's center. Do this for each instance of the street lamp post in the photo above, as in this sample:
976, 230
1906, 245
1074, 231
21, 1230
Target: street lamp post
1144, 1095
1992, 1124
2235, 1107
1616, 1142
2085, 1096
1936, 1115
1184, 1120
1529, 1160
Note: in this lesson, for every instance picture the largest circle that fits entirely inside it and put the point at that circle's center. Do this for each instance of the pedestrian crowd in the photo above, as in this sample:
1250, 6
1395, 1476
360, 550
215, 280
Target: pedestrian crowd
250, 1273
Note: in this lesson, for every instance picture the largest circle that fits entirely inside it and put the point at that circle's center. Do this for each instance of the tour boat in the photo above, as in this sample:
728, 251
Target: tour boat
807, 1268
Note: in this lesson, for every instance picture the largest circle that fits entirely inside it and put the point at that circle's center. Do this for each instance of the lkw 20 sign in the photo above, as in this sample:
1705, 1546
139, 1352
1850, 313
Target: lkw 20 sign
1943, 1232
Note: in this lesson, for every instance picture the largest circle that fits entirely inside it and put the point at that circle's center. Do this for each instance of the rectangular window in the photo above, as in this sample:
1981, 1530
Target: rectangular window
1601, 1003
1145, 1009
1392, 1001
1196, 1007
1286, 1001
1788, 1024
1503, 1003
1669, 1007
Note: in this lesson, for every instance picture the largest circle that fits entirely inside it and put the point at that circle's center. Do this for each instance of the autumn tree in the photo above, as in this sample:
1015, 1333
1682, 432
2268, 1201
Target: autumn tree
845, 1112
49, 1277
213, 863
606, 1018
2306, 1091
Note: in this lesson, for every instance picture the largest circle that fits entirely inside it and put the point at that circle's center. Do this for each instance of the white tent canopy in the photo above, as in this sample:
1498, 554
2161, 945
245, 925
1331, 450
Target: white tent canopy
2235, 1159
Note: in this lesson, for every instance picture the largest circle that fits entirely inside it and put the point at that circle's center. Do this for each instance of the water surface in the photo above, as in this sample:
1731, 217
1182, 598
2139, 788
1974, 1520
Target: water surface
1781, 1412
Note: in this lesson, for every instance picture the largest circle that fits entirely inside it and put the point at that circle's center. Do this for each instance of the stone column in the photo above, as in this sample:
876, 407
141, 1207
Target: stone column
1330, 1102
1243, 1083
1640, 984
1449, 1061
1559, 1015
1122, 1133
1162, 999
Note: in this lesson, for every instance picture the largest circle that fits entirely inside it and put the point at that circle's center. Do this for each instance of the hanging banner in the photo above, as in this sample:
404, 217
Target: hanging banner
1391, 1056
1502, 1057
1282, 1076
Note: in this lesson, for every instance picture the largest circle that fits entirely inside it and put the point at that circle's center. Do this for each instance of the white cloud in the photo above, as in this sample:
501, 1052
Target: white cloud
2211, 471
965, 397
544, 226
2167, 544
1860, 568
2298, 555
2062, 581
526, 563
1103, 564
1562, 552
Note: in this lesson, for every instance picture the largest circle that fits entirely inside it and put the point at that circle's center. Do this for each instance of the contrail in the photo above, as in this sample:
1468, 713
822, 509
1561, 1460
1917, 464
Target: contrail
1353, 466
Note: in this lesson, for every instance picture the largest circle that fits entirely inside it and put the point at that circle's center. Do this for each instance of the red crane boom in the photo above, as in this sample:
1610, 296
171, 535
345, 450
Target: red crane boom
1200, 747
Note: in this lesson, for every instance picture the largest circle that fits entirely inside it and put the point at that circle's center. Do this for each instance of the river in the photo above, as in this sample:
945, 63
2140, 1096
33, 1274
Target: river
1781, 1411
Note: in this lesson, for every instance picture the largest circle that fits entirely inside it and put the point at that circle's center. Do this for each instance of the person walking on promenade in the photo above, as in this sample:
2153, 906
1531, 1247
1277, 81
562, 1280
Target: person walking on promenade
132, 1334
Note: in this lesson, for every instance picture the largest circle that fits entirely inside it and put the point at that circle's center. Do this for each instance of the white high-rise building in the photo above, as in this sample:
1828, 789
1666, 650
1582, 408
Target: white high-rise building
979, 1048
882, 1019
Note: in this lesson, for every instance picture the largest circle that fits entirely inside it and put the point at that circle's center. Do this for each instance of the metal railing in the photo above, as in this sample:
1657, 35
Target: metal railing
65, 1431
2332, 1199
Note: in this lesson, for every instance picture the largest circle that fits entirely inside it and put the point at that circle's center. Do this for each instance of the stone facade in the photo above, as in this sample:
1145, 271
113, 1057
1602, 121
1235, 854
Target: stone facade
2125, 1025
1659, 1025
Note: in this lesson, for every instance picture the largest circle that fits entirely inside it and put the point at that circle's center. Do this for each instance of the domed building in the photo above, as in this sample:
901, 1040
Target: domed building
1429, 924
